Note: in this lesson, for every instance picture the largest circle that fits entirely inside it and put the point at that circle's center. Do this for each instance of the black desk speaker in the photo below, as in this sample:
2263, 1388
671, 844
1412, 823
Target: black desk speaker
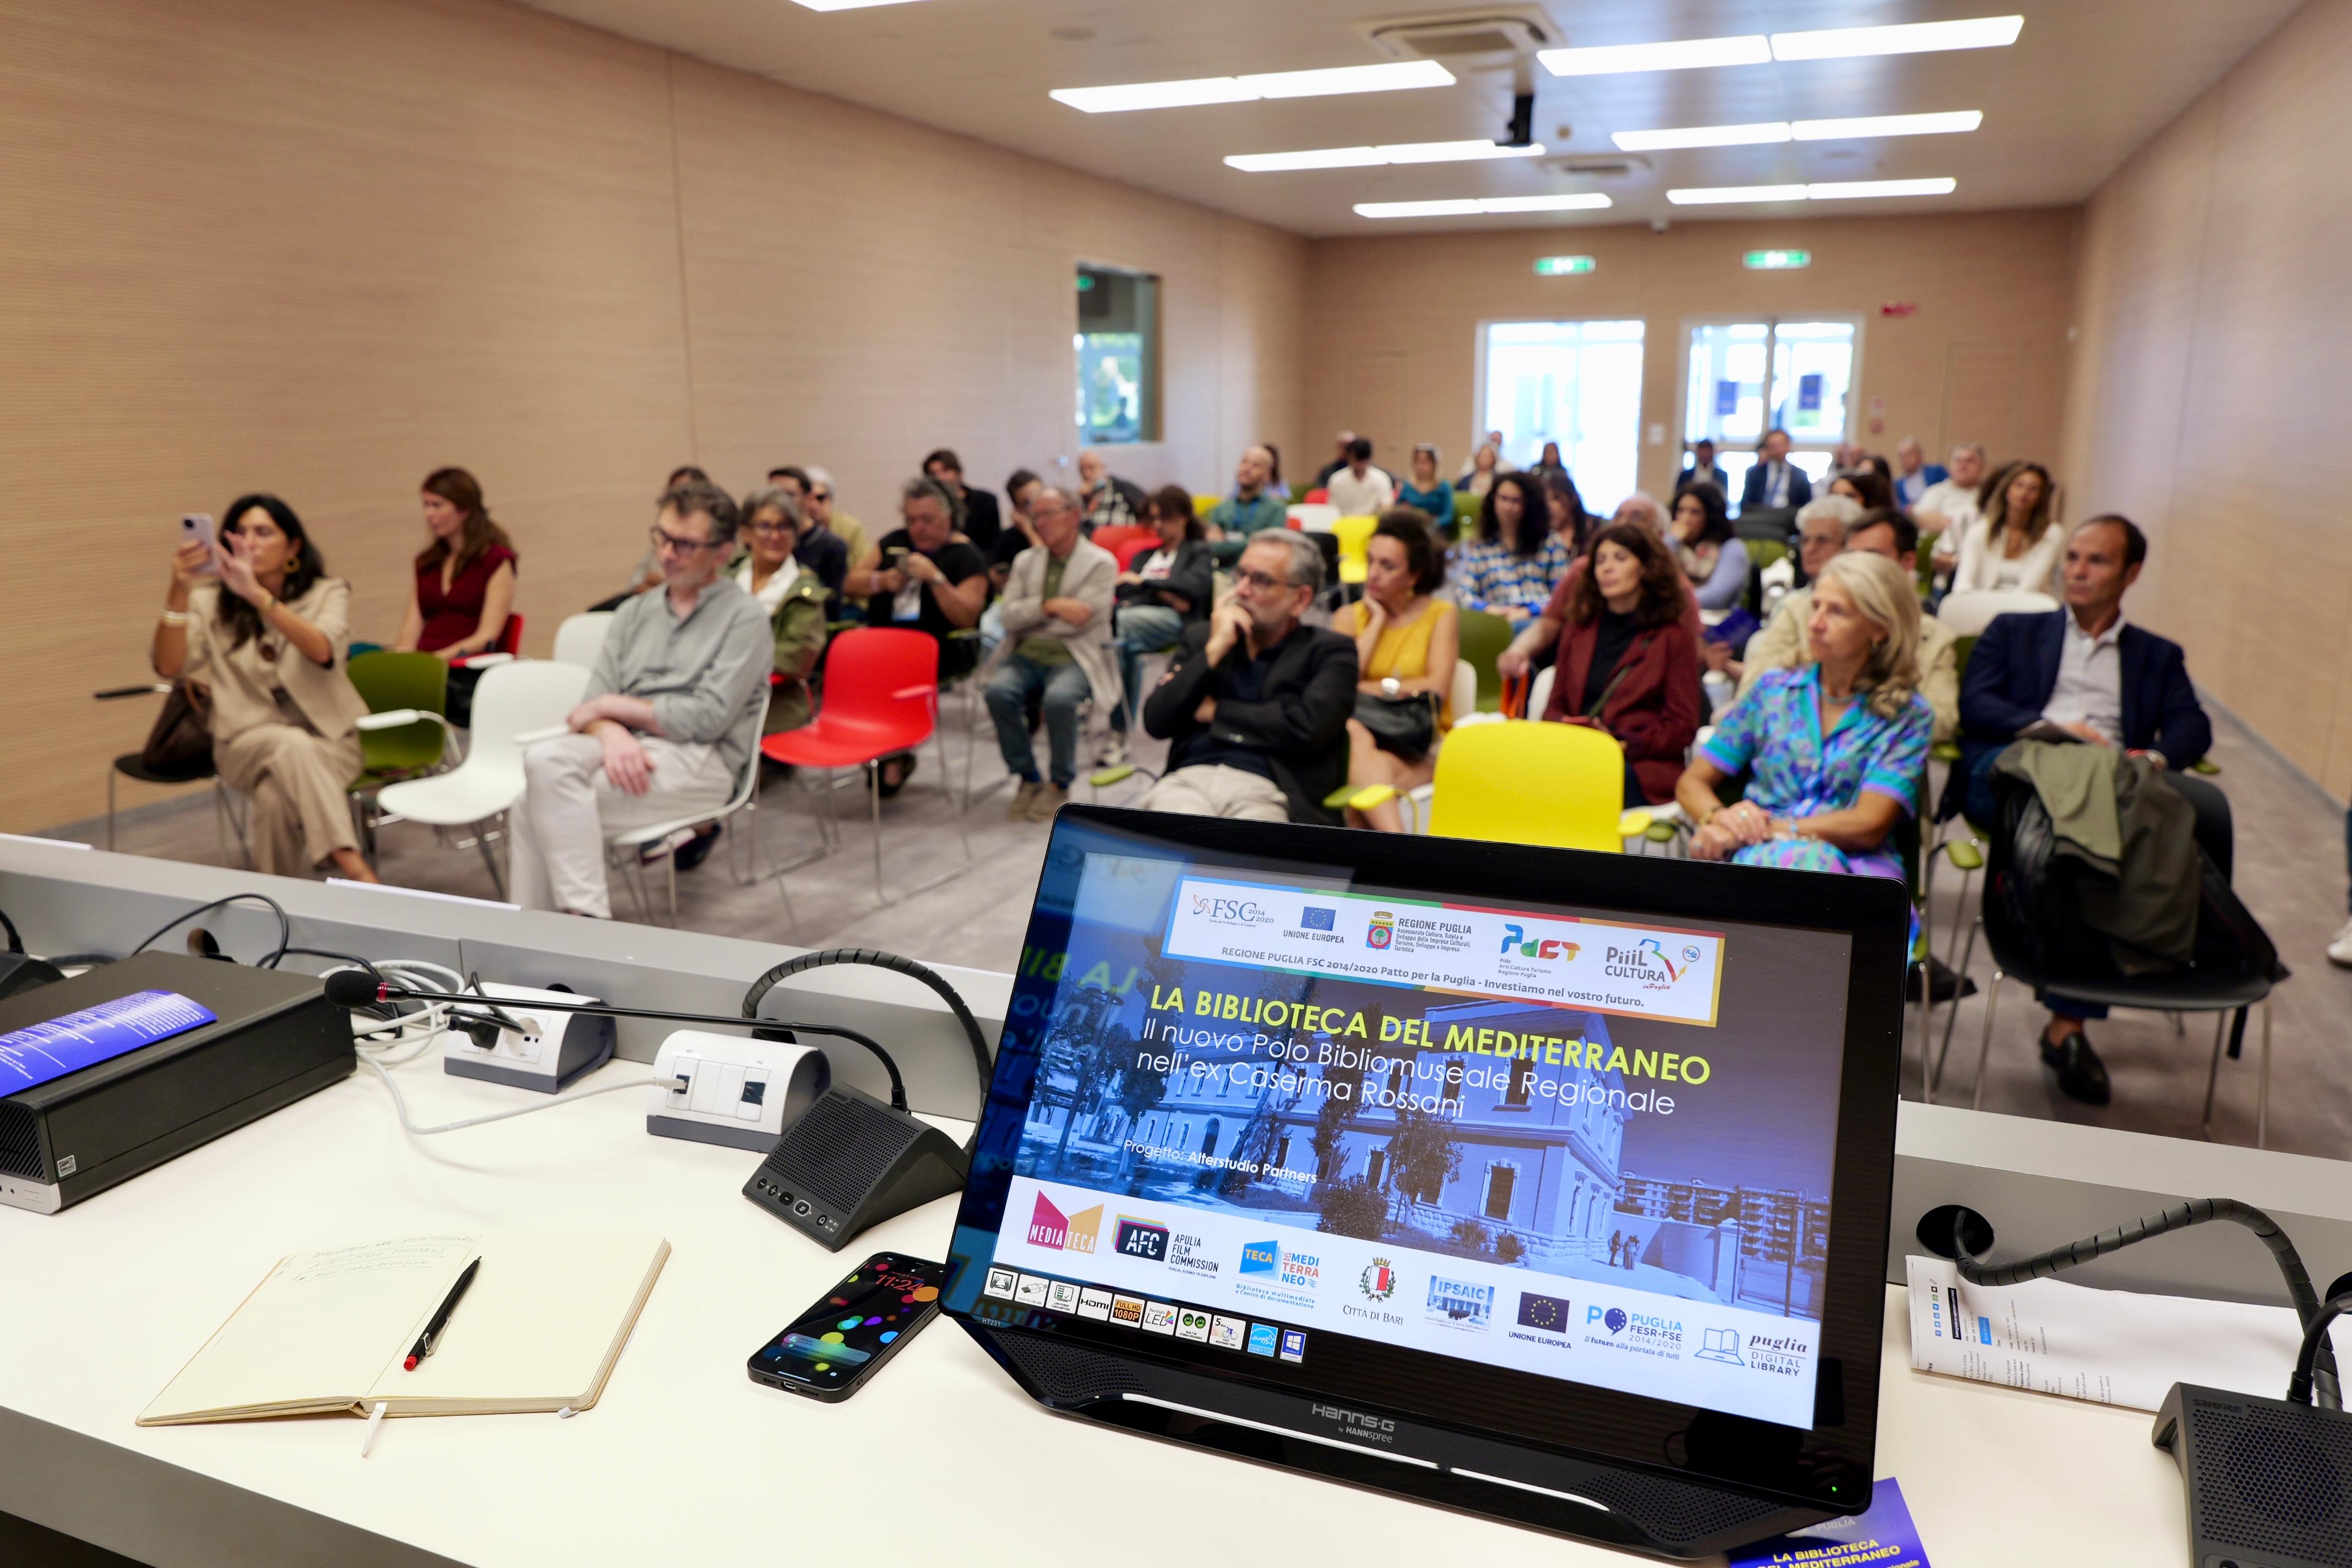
2269, 1483
849, 1162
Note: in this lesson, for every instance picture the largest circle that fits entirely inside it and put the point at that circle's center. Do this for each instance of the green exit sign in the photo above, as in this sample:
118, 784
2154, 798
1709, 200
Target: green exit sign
1777, 261
1562, 265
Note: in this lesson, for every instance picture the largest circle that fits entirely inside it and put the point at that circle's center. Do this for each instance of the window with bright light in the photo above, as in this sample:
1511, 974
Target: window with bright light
1117, 345
1578, 384
1748, 377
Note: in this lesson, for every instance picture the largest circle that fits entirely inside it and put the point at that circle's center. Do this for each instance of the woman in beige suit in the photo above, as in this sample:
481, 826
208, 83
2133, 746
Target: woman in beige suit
256, 622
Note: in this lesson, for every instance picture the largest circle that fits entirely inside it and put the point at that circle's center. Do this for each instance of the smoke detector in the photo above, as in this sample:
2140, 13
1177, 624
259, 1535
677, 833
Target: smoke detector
1481, 39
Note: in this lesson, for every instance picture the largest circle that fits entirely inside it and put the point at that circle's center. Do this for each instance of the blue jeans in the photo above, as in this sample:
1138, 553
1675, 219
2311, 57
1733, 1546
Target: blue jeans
1141, 629
1008, 690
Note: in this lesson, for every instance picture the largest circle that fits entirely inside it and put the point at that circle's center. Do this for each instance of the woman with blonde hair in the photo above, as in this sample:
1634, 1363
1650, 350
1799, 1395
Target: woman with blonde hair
2016, 540
1835, 749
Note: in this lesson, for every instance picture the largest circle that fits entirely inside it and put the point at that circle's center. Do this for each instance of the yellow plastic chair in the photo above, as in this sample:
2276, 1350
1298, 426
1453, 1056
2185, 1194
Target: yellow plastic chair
1523, 782
1203, 505
1355, 537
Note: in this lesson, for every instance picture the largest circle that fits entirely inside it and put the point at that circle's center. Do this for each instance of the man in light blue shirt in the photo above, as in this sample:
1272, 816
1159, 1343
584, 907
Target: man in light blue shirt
1251, 507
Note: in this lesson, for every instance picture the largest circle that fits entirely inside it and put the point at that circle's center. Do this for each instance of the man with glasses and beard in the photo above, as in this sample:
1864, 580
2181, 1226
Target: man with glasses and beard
669, 721
1255, 710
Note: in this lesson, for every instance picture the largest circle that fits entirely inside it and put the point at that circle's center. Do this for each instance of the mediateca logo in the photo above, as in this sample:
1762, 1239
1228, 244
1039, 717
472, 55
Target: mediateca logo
1514, 937
1050, 1229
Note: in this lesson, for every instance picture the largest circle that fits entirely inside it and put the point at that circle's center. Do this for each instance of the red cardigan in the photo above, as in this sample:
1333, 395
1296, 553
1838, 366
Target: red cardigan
1654, 709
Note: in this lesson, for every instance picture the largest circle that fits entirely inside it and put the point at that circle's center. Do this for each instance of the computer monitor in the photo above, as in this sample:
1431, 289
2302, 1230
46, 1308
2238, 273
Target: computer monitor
1544, 1184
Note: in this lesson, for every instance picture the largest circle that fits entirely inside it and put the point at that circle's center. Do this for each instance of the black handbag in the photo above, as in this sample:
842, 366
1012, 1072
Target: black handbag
180, 746
1403, 726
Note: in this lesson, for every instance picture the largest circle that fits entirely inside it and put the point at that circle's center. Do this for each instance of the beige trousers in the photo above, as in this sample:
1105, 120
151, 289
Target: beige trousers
556, 831
298, 785
1219, 791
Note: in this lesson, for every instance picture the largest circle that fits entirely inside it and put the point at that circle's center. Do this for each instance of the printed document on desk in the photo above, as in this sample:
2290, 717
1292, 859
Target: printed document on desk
2111, 1347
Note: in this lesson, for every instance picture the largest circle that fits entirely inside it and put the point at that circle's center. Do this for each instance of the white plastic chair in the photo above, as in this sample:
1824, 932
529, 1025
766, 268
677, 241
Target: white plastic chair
1315, 519
580, 637
1967, 614
527, 699
633, 848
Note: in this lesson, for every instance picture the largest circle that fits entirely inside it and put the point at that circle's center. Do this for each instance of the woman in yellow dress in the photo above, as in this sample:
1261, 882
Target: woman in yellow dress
1406, 643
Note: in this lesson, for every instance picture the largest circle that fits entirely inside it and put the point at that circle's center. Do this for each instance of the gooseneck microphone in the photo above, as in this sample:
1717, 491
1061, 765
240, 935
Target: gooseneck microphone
354, 988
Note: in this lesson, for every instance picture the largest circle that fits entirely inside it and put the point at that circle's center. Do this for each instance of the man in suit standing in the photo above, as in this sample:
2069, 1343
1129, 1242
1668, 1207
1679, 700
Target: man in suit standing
1704, 470
2108, 683
1773, 480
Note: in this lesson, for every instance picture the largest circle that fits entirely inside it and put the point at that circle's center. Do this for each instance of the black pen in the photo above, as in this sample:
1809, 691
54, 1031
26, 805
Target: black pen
440, 1319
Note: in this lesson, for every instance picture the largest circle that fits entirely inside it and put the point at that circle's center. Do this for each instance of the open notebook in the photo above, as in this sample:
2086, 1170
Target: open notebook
539, 1330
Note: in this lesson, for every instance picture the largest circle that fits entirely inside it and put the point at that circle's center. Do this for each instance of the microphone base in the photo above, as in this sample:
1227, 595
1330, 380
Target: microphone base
848, 1163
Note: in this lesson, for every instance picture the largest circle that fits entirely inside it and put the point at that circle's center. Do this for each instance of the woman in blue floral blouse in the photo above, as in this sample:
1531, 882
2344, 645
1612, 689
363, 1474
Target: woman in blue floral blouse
1516, 560
1835, 749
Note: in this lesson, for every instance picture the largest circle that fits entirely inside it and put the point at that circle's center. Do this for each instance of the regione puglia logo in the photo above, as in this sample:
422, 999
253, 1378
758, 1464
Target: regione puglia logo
1382, 930
1515, 938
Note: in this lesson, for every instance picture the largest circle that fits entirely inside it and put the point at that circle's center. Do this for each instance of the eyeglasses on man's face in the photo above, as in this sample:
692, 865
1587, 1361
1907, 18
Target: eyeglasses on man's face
664, 540
1262, 582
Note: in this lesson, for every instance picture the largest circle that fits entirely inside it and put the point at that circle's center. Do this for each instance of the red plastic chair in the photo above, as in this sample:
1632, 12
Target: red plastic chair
881, 697
1135, 550
1111, 538
510, 645
1315, 496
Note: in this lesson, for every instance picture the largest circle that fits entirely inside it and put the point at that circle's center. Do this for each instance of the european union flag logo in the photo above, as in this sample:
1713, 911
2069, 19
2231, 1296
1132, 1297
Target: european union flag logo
1317, 919
1546, 1312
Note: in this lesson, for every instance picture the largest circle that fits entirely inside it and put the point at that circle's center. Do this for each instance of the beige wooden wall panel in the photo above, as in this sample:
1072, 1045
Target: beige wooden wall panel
2001, 279
324, 247
2209, 389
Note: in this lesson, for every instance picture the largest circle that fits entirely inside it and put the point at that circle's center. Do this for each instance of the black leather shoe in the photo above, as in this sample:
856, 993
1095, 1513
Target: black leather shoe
696, 849
1943, 982
2081, 1074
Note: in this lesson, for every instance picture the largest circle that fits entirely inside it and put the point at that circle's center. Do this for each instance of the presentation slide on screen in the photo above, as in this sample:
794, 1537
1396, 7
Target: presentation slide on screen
1558, 1139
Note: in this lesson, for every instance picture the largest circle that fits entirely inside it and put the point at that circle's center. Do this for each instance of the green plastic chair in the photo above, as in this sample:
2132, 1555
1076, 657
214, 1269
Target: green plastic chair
1763, 552
1485, 635
1466, 507
404, 735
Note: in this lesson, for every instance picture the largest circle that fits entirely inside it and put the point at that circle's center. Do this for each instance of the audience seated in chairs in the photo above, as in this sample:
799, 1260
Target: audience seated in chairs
1018, 534
648, 573
1360, 490
1256, 504
1712, 556
1106, 500
1948, 508
1426, 490
1835, 750
2017, 541
1571, 525
925, 579
819, 517
1865, 487
1255, 710
1914, 474
1782, 644
1625, 661
1484, 467
1642, 508
255, 623
465, 584
792, 597
1703, 470
669, 721
977, 516
1772, 480
1057, 613
1340, 444
820, 550
1167, 589
1516, 561
1406, 646
2093, 675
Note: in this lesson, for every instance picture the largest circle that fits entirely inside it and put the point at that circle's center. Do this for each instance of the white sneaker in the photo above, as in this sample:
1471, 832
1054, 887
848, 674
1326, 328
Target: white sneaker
1113, 753
2340, 950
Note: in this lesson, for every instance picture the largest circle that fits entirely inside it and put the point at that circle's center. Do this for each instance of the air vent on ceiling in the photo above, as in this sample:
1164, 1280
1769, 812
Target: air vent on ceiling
1472, 39
1602, 166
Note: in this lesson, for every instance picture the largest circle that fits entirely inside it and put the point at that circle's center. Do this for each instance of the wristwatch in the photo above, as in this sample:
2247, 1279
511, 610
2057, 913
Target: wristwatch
1391, 685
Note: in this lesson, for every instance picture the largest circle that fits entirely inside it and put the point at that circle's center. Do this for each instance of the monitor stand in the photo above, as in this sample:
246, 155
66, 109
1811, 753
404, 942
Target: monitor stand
1617, 1505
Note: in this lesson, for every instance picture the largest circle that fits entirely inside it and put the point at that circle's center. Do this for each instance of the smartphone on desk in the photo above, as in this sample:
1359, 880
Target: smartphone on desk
831, 1349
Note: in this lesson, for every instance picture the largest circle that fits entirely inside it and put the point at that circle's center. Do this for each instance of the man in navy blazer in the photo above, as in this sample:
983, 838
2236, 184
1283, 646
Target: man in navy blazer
1773, 481
2108, 683
1704, 470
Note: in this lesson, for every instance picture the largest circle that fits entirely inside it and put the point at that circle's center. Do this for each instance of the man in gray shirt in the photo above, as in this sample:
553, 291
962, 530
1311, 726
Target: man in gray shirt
671, 717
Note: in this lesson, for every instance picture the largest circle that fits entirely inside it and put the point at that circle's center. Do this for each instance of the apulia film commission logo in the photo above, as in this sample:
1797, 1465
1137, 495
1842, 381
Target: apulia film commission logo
1379, 1280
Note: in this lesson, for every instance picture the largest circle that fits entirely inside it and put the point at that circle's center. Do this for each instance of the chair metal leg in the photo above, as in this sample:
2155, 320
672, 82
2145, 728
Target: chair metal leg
2262, 1085
874, 794
670, 861
1984, 1049
1953, 1018
489, 861
939, 744
110, 777
2213, 1072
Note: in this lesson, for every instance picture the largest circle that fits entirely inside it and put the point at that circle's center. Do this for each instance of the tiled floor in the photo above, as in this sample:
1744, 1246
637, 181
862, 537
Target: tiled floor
2290, 871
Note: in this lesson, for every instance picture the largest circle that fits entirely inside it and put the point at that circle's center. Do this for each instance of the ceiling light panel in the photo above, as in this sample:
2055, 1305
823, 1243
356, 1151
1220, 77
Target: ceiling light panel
1367, 157
1888, 125
1702, 136
1582, 201
1398, 76
845, 4
1689, 54
1828, 191
1909, 38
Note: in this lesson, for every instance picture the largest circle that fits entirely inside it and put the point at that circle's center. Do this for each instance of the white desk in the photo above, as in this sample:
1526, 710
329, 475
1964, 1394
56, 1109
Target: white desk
686, 1461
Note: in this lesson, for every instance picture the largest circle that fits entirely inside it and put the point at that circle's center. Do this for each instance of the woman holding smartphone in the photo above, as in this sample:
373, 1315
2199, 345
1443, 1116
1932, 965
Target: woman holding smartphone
465, 584
255, 623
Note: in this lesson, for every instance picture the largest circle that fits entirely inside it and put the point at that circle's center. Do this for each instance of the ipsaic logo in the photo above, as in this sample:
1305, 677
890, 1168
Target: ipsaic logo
1460, 1304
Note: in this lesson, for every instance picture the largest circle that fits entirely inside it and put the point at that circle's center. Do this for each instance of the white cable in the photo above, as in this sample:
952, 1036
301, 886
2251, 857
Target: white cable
443, 977
401, 1105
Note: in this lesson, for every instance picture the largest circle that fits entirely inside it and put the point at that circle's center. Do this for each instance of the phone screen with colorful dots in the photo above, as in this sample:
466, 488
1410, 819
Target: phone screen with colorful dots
834, 1346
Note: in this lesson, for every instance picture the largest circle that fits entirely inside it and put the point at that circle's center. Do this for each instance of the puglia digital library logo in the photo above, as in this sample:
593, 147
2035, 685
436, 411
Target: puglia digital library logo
1057, 1232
